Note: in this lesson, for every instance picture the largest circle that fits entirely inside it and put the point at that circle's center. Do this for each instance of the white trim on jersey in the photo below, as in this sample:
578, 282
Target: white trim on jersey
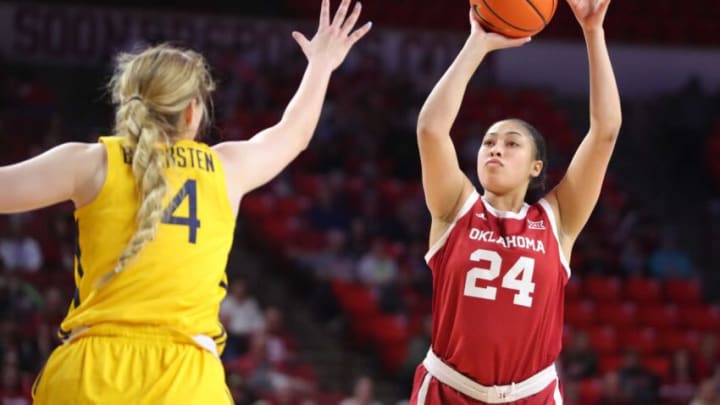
551, 215
506, 214
496, 394
424, 387
441, 242
557, 397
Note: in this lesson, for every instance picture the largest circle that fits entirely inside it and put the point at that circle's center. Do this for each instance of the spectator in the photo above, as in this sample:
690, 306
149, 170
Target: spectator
679, 386
362, 393
239, 390
241, 316
327, 212
708, 358
707, 394
376, 268
611, 391
579, 360
260, 372
637, 384
668, 261
417, 349
279, 342
11, 392
333, 262
633, 261
18, 250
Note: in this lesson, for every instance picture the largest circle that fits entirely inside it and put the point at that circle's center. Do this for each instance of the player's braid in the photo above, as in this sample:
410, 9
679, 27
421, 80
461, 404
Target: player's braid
145, 135
153, 90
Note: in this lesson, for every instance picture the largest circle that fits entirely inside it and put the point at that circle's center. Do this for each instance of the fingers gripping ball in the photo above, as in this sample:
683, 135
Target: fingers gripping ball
514, 18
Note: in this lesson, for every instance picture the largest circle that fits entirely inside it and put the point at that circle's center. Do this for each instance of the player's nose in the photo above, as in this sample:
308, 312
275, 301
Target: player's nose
496, 150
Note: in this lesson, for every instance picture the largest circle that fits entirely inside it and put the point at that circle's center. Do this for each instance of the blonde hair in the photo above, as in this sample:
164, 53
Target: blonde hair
152, 90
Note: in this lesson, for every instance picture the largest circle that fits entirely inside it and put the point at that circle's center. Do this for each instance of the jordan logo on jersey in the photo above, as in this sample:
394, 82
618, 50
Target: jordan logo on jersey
536, 224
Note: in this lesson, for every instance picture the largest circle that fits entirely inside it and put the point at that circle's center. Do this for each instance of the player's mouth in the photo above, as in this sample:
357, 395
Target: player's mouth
494, 163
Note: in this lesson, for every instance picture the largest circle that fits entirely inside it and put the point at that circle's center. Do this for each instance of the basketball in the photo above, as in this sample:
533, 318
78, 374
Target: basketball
514, 18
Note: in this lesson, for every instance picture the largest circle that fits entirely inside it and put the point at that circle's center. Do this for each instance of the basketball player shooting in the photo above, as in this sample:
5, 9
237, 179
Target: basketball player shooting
499, 264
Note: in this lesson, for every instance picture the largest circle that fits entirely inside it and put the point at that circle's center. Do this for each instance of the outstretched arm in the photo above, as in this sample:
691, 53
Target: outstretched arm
444, 183
71, 171
577, 193
250, 164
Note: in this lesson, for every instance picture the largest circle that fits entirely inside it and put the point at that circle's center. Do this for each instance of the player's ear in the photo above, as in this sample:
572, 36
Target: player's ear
188, 113
536, 168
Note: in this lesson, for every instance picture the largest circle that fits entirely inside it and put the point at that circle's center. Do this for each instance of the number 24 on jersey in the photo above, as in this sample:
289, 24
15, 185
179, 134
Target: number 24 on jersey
518, 278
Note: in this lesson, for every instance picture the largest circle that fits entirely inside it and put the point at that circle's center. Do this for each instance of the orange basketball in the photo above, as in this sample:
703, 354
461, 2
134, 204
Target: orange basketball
514, 18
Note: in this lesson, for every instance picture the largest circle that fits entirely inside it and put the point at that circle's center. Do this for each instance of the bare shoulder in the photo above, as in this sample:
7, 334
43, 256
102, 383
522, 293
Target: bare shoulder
232, 155
88, 157
554, 203
230, 152
90, 170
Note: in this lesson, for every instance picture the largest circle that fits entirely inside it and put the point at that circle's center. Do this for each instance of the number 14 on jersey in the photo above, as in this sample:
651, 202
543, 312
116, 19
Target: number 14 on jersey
518, 278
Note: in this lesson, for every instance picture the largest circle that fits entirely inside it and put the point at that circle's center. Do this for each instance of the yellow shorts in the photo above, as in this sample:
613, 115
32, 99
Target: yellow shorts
111, 364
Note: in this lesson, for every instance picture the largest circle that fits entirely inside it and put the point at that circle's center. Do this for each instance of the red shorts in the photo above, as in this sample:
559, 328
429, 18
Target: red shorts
441, 394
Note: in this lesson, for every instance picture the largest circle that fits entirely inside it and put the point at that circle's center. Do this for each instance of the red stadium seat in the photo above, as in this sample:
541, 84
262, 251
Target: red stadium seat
609, 363
701, 317
393, 355
604, 340
643, 340
307, 184
589, 391
328, 398
279, 229
602, 288
572, 290
620, 314
256, 205
643, 290
581, 314
355, 298
388, 329
658, 365
672, 340
568, 335
659, 316
307, 239
291, 206
683, 291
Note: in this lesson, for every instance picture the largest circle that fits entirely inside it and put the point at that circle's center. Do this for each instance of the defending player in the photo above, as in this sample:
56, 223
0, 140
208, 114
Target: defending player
156, 211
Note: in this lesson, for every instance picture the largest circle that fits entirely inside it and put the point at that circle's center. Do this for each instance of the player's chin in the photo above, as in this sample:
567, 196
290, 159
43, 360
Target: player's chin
494, 182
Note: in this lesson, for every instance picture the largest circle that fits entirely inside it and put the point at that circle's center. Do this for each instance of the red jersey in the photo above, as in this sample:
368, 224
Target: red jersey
498, 292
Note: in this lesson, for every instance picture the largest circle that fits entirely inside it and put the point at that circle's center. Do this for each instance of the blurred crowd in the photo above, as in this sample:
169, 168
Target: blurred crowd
350, 218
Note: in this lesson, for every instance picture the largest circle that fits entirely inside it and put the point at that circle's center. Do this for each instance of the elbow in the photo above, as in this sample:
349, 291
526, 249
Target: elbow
304, 145
296, 134
608, 129
427, 130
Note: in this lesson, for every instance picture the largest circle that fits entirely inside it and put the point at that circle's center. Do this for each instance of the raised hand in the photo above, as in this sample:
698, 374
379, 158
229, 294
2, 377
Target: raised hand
589, 13
333, 40
491, 40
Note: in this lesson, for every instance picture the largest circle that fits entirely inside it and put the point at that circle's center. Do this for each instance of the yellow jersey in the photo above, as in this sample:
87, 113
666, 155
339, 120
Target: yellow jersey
178, 280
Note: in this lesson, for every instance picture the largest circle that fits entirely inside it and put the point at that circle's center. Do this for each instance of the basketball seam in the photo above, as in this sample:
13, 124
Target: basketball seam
537, 10
509, 24
479, 16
